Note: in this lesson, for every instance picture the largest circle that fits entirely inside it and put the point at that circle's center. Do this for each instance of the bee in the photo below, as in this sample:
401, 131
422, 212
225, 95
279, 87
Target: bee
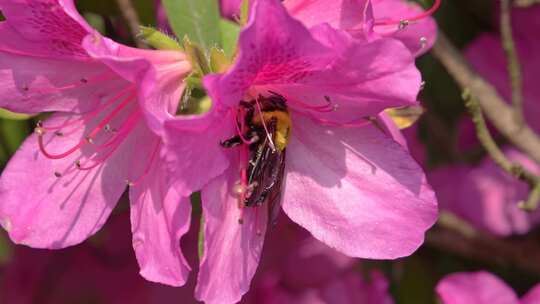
267, 126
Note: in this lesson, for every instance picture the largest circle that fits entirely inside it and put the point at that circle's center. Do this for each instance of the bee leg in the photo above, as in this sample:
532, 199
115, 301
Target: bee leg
252, 137
231, 142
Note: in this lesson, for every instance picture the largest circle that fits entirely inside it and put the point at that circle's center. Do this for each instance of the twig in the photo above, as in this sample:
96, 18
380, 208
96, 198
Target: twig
492, 104
525, 3
512, 168
456, 236
132, 18
514, 67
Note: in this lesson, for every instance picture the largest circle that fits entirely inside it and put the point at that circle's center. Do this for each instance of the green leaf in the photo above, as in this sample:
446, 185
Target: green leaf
6, 249
96, 21
159, 40
200, 245
2, 18
197, 212
146, 10
5, 114
229, 36
244, 12
198, 19
13, 133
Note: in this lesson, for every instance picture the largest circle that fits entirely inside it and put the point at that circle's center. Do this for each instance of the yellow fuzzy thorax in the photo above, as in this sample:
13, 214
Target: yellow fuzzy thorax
283, 127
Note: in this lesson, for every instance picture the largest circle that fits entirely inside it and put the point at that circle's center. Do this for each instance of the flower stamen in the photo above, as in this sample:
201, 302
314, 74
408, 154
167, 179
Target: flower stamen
105, 76
113, 143
404, 22
89, 115
40, 131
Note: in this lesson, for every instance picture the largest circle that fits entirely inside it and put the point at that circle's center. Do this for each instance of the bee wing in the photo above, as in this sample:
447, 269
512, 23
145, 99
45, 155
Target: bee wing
275, 199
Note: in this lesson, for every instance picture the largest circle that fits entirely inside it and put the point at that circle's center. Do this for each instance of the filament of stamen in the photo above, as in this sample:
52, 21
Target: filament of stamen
115, 142
91, 113
83, 81
327, 108
427, 13
240, 128
89, 137
325, 122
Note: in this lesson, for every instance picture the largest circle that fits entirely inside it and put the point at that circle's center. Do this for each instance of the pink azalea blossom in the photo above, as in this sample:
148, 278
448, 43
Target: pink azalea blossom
486, 196
380, 18
481, 288
62, 184
101, 271
346, 180
161, 17
296, 268
494, 67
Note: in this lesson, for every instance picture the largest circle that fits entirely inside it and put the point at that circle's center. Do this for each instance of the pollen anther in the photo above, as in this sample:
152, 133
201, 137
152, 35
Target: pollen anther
403, 24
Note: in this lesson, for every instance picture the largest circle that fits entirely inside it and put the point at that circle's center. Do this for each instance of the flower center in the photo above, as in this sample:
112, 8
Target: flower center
263, 130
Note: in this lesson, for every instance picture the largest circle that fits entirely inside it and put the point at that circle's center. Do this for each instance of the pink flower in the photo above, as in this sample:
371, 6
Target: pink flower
161, 17
346, 181
62, 184
493, 67
481, 288
102, 271
296, 268
486, 196
378, 18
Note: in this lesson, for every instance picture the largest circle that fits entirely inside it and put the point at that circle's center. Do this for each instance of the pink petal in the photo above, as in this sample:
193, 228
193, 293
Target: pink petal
31, 85
230, 8
309, 263
42, 210
193, 151
273, 48
158, 74
356, 190
71, 10
49, 25
38, 76
348, 15
389, 126
475, 287
414, 33
362, 80
231, 250
279, 54
159, 219
351, 288
532, 296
